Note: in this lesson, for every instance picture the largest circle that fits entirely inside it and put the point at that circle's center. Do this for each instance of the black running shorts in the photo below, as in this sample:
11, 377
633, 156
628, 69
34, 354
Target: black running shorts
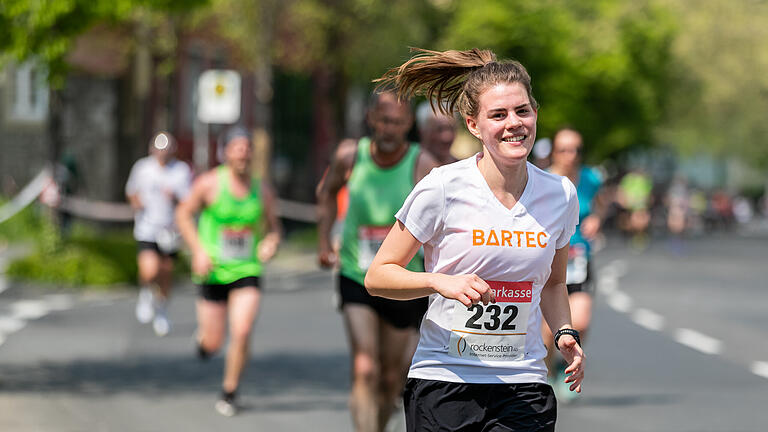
145, 245
220, 292
432, 406
400, 313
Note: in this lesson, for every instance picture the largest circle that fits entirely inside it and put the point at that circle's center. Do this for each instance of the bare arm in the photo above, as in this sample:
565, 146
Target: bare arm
185, 220
388, 277
424, 165
270, 242
590, 226
557, 312
336, 177
134, 201
131, 192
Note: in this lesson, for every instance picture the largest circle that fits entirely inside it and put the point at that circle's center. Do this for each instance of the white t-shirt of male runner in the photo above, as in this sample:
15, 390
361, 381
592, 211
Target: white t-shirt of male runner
465, 229
159, 188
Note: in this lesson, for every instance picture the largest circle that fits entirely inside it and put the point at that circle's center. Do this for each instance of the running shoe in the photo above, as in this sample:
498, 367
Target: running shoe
144, 310
226, 405
161, 324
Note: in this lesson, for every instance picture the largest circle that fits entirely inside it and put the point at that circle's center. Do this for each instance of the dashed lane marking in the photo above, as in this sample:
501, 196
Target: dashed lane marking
760, 368
698, 341
648, 319
620, 302
18, 313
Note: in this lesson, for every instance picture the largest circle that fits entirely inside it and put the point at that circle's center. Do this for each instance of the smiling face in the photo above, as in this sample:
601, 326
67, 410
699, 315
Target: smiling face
505, 123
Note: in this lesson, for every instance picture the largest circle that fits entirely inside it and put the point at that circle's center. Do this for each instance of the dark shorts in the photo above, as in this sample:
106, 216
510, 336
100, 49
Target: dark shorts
145, 245
220, 292
432, 406
400, 313
588, 286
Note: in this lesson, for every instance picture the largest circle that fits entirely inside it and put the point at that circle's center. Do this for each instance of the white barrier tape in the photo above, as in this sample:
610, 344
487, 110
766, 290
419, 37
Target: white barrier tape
26, 196
294, 210
104, 211
122, 212
107, 211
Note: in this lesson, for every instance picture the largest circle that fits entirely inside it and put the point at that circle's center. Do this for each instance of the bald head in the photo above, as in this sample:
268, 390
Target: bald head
390, 120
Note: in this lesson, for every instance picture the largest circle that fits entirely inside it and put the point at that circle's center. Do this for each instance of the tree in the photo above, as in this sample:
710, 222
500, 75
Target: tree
601, 66
722, 109
46, 29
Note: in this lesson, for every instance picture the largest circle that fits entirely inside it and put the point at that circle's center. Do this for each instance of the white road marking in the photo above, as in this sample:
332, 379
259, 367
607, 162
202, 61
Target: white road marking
22, 311
606, 285
10, 325
760, 368
698, 341
3, 281
619, 301
29, 309
648, 319
58, 302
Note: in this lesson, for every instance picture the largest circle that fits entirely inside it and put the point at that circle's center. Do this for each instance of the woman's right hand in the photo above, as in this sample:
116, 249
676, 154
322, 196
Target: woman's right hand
201, 263
468, 289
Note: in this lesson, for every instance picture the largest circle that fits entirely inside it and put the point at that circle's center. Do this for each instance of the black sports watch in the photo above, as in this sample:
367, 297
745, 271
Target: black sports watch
567, 331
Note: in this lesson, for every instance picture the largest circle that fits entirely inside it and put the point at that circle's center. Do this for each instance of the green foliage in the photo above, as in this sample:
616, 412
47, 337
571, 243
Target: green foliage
24, 226
87, 257
601, 66
46, 29
359, 38
721, 107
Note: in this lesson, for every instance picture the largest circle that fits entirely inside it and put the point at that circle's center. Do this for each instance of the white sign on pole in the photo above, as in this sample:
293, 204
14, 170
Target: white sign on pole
219, 96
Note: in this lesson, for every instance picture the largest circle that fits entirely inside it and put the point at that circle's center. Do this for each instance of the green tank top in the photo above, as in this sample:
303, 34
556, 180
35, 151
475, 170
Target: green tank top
230, 230
375, 195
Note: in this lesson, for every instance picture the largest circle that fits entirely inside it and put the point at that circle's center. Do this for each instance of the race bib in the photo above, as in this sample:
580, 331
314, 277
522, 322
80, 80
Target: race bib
236, 244
497, 331
577, 264
369, 240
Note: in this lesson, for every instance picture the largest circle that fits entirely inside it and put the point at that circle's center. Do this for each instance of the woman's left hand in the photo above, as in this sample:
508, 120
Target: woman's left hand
574, 356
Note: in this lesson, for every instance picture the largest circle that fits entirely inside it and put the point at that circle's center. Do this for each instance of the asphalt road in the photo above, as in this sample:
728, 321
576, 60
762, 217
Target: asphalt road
678, 344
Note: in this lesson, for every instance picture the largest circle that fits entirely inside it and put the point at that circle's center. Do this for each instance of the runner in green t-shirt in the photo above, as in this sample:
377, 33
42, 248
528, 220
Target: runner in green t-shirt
238, 230
379, 172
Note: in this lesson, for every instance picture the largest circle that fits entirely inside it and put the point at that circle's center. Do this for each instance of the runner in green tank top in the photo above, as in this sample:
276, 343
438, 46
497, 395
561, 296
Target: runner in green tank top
238, 231
379, 172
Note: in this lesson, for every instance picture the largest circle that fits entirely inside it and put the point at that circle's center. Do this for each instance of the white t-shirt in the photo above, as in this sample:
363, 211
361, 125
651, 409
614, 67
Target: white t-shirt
465, 229
158, 188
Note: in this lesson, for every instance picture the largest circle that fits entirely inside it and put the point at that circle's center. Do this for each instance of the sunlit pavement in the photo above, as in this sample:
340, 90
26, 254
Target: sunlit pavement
677, 344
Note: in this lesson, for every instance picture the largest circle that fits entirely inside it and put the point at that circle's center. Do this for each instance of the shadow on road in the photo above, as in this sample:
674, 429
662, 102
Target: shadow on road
274, 378
626, 400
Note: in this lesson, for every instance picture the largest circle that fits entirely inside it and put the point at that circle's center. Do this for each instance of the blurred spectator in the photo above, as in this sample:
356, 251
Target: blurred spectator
437, 132
542, 149
634, 197
742, 210
678, 204
67, 178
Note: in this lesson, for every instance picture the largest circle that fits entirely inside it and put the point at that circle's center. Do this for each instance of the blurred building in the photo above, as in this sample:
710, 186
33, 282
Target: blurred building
111, 103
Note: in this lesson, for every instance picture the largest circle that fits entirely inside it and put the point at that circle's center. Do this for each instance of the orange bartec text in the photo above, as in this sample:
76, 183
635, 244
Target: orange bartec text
519, 239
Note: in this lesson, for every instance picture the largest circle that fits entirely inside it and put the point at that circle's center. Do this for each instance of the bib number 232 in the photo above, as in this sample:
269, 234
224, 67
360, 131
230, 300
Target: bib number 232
496, 331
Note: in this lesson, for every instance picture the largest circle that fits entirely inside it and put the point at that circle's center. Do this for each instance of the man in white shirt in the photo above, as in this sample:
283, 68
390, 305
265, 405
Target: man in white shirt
155, 185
